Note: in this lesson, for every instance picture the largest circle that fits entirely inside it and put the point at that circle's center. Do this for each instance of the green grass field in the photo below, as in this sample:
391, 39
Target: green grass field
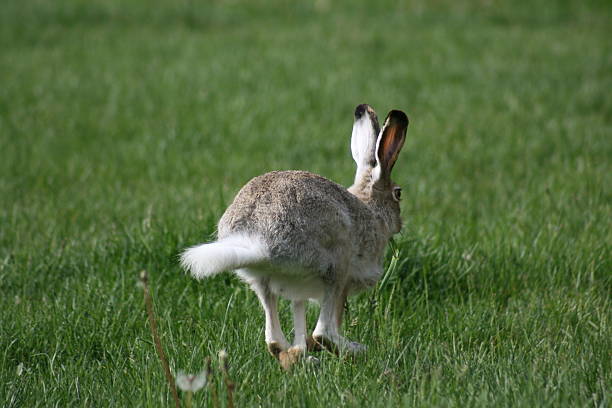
126, 129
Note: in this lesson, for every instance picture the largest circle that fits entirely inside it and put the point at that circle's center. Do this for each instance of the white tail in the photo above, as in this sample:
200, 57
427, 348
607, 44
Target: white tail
230, 253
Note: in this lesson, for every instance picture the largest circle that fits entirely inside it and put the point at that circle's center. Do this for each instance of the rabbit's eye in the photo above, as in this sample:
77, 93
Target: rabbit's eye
397, 194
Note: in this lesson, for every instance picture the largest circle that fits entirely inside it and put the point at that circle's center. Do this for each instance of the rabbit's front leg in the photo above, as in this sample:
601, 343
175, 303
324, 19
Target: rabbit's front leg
327, 332
275, 339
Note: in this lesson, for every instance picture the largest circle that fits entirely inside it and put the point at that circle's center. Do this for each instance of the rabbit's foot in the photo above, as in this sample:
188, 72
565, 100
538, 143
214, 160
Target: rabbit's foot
275, 348
313, 361
290, 357
338, 345
312, 344
323, 343
355, 348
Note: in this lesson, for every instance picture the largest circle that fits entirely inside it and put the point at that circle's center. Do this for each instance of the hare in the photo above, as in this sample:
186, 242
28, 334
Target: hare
301, 236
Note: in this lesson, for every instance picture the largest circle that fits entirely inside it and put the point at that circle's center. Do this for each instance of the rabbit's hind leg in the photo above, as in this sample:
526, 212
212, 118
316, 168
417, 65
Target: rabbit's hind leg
299, 324
298, 350
327, 332
275, 339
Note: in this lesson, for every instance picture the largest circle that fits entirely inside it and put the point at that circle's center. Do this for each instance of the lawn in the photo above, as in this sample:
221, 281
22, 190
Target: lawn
127, 127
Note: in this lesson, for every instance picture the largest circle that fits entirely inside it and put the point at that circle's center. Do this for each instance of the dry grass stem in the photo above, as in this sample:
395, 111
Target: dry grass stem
158, 346
228, 383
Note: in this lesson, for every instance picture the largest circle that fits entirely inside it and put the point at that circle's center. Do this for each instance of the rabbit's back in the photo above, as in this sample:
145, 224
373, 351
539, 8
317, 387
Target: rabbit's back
304, 220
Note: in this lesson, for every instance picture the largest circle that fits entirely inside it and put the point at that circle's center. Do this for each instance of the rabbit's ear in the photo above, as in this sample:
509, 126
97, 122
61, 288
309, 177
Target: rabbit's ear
390, 142
363, 140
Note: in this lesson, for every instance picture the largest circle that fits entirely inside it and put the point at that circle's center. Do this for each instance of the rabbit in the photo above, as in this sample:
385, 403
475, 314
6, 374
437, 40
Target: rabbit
303, 237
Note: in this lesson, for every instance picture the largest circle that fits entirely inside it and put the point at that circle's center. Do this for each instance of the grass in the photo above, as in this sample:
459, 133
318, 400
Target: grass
125, 130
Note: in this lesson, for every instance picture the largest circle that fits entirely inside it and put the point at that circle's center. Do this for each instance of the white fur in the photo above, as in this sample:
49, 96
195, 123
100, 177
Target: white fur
285, 282
363, 143
299, 324
233, 252
376, 171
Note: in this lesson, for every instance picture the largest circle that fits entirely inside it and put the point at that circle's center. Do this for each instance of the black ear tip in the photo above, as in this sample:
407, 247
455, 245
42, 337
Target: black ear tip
360, 110
399, 117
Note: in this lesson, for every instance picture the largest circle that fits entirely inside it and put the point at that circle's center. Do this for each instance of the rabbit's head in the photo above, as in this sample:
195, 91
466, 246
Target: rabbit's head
375, 151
